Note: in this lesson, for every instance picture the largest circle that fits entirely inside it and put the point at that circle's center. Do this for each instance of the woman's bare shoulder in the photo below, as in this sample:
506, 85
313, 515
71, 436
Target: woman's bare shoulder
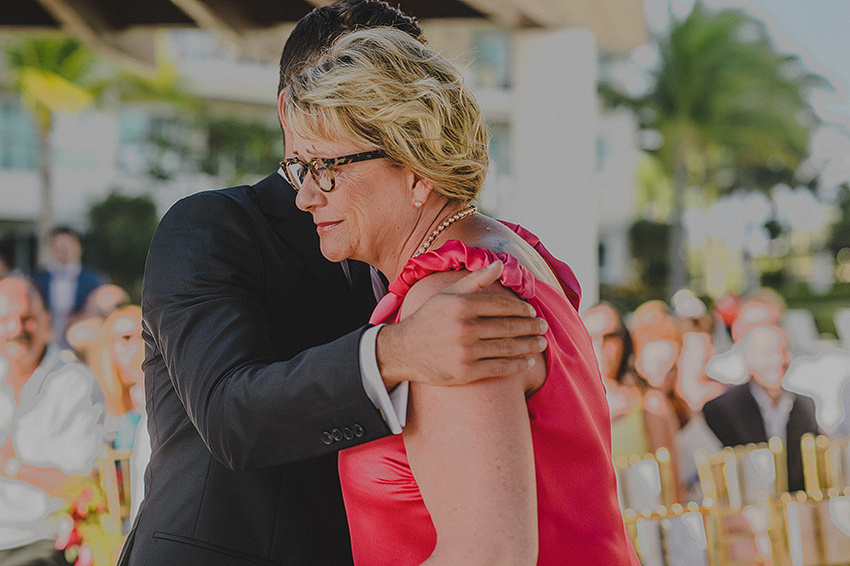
491, 234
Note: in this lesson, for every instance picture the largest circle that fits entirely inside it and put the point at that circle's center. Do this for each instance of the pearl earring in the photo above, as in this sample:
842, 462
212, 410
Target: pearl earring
417, 203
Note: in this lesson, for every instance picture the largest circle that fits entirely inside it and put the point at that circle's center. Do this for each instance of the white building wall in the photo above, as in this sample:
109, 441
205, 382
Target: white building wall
554, 127
615, 191
83, 150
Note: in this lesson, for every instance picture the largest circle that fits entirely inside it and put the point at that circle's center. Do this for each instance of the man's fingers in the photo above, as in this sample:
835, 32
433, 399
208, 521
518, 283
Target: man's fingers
508, 347
490, 328
476, 280
501, 367
485, 304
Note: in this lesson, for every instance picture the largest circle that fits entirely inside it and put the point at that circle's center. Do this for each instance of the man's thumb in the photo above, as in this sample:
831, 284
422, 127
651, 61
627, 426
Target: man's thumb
477, 280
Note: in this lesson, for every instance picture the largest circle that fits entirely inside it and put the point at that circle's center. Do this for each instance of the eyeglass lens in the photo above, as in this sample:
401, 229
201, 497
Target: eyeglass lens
298, 171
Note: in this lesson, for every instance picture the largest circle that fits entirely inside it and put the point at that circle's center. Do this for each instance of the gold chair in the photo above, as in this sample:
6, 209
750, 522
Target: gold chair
646, 482
826, 464
115, 480
743, 475
739, 484
815, 530
677, 536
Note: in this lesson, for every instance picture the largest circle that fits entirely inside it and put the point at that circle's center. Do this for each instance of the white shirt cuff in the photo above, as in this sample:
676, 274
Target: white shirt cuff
393, 405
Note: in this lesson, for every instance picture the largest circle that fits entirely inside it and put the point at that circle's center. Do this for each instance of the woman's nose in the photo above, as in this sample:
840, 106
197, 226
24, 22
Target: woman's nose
309, 195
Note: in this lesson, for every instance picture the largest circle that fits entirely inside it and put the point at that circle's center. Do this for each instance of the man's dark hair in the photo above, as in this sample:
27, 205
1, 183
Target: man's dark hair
7, 256
65, 230
323, 26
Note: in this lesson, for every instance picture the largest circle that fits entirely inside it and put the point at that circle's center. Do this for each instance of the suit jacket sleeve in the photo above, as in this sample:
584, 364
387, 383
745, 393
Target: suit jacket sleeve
207, 322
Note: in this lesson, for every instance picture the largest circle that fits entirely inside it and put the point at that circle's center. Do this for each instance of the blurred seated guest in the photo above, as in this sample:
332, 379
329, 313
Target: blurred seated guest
691, 313
65, 283
82, 335
51, 426
695, 387
113, 350
121, 364
761, 408
696, 326
642, 420
763, 306
104, 300
120, 361
658, 344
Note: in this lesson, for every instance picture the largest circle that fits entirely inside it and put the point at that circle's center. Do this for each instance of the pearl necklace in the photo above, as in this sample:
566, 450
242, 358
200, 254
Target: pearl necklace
468, 211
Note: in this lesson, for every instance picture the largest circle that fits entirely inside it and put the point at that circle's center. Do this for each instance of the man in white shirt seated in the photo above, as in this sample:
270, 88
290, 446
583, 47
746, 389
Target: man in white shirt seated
761, 408
51, 426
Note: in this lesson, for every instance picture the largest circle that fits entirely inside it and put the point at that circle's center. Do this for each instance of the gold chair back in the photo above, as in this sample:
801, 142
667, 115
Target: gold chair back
815, 531
115, 479
678, 536
826, 464
739, 484
646, 482
743, 475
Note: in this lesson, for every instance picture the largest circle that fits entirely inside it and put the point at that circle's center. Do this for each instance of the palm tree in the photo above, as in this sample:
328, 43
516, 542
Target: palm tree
722, 99
52, 75
60, 74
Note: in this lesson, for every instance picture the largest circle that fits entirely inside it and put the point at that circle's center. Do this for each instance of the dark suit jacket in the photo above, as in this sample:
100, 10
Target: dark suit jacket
735, 419
87, 282
244, 423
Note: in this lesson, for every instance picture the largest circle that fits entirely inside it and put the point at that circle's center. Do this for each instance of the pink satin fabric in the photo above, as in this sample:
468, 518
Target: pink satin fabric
578, 514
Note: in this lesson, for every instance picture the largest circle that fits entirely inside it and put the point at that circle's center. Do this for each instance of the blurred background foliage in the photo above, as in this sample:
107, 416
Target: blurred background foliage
121, 228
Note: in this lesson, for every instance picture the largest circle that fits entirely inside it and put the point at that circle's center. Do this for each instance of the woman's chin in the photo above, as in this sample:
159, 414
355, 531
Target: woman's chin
333, 253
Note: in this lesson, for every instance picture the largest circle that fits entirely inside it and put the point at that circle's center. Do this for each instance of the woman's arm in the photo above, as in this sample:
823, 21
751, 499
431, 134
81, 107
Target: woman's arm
470, 450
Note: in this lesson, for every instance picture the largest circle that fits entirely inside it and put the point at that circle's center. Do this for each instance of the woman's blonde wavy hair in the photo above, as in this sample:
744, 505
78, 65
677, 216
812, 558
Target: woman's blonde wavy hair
379, 87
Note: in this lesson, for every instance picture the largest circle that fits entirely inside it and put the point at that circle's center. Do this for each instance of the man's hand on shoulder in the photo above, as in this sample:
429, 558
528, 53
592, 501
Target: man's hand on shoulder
462, 334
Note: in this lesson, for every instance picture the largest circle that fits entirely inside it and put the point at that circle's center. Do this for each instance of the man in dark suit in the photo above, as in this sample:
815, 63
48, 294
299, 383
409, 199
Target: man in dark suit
66, 283
258, 369
760, 409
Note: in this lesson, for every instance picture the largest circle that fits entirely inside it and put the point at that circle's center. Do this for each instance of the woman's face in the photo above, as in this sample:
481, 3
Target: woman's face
367, 210
125, 343
656, 363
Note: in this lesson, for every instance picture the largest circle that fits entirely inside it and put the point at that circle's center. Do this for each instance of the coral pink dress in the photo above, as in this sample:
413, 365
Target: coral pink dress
578, 513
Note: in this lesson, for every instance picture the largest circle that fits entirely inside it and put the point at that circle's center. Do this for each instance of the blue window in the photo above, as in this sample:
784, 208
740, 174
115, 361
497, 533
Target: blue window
18, 143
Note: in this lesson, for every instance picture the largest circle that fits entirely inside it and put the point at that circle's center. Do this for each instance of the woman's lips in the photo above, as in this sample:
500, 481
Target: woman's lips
323, 227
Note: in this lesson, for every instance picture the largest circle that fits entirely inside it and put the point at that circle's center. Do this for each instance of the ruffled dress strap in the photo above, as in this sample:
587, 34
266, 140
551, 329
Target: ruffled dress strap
454, 255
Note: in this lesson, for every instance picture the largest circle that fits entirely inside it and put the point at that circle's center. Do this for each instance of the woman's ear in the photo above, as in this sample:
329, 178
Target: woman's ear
421, 189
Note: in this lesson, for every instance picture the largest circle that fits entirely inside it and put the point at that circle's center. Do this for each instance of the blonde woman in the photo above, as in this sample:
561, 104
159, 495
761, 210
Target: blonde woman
389, 153
641, 419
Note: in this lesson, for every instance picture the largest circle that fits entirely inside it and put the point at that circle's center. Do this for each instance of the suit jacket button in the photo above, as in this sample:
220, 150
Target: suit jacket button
358, 430
347, 434
327, 438
337, 434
